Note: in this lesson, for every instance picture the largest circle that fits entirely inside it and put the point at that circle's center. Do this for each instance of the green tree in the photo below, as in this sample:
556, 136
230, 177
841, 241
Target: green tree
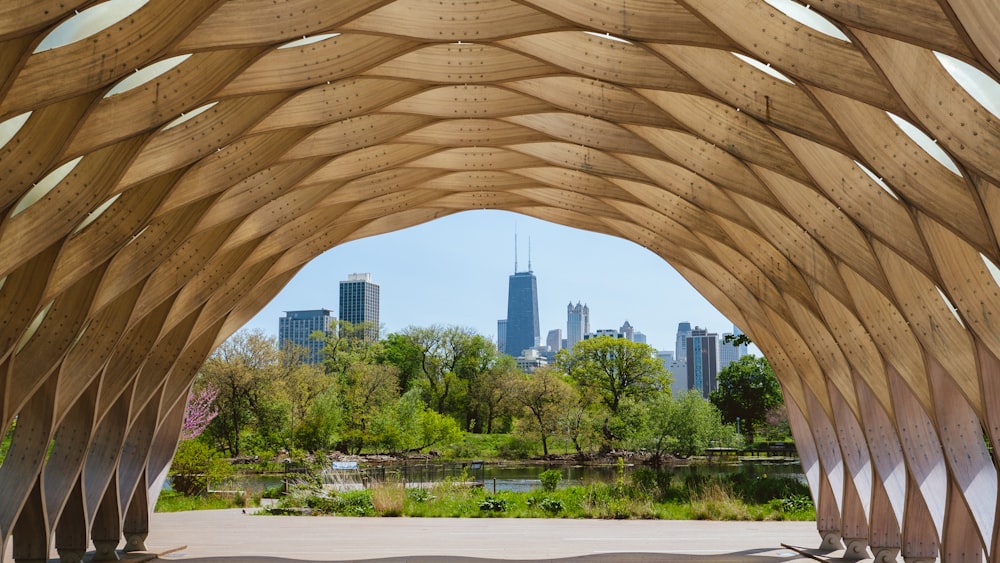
195, 466
581, 420
490, 391
348, 345
544, 396
247, 369
320, 428
365, 390
408, 425
615, 368
300, 388
401, 351
747, 390
686, 425
448, 358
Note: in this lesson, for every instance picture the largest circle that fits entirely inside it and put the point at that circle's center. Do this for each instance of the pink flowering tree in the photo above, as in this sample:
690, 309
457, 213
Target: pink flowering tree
199, 412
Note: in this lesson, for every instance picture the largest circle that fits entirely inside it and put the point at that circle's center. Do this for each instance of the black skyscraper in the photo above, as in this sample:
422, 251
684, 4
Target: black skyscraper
522, 314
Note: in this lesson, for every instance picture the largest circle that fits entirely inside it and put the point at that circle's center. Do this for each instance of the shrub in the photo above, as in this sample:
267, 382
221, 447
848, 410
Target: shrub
351, 503
793, 504
195, 465
550, 479
516, 447
493, 504
276, 491
551, 505
654, 484
419, 495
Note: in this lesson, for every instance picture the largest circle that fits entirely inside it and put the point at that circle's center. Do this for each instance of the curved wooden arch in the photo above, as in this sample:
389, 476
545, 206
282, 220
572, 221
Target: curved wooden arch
140, 228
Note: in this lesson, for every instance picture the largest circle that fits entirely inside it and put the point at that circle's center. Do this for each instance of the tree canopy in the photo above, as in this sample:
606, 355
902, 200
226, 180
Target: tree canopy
748, 390
615, 368
424, 386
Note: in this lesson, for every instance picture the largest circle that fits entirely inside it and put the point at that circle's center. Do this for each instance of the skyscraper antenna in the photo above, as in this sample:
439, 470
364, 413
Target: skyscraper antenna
529, 254
515, 248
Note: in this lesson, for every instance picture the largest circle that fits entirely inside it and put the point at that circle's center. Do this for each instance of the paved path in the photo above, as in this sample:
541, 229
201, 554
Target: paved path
229, 533
229, 536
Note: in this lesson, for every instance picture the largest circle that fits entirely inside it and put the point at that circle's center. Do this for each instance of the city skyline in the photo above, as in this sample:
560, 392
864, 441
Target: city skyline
455, 270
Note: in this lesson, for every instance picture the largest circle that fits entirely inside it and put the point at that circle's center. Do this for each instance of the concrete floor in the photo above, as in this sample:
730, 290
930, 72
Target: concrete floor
228, 536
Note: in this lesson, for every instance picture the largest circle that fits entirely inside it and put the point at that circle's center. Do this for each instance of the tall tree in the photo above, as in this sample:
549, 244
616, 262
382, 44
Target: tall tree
347, 345
545, 396
747, 390
448, 355
365, 389
246, 369
300, 388
614, 368
490, 391
401, 351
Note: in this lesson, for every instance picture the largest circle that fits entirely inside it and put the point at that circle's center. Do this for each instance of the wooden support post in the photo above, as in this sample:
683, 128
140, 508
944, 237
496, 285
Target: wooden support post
31, 538
106, 530
883, 529
136, 526
71, 530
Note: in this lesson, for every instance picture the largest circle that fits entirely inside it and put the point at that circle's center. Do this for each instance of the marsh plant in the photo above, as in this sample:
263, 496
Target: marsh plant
750, 494
388, 498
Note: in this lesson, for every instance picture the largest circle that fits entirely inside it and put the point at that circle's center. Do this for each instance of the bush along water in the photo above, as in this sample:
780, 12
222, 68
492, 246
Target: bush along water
692, 493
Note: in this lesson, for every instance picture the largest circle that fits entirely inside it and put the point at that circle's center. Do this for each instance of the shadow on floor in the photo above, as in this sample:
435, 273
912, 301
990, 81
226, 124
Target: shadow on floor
780, 555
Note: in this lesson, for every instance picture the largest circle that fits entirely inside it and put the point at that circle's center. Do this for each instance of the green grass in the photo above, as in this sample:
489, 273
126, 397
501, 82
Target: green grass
172, 501
501, 446
712, 501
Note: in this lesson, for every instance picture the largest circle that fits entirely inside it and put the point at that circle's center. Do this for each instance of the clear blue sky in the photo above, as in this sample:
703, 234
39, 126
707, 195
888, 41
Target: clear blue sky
453, 271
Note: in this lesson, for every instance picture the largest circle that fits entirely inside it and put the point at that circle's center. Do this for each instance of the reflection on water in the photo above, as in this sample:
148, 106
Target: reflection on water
523, 477
499, 476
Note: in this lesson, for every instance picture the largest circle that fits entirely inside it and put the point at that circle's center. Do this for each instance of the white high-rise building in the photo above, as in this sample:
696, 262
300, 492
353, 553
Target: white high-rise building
678, 372
577, 323
554, 340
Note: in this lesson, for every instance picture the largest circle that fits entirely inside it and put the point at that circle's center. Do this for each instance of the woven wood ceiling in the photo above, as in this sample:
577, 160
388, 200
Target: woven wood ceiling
825, 177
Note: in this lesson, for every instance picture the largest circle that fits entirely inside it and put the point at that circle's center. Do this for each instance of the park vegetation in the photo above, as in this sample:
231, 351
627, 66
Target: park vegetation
693, 492
447, 392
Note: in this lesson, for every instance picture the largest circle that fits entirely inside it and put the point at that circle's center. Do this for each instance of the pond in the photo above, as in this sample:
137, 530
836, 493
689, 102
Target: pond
521, 477
498, 476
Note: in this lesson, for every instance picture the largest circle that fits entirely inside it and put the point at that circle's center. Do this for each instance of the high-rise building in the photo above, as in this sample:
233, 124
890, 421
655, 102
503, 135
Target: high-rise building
639, 337
502, 336
296, 328
683, 331
522, 313
678, 372
359, 303
604, 332
702, 360
627, 331
554, 339
577, 323
730, 352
